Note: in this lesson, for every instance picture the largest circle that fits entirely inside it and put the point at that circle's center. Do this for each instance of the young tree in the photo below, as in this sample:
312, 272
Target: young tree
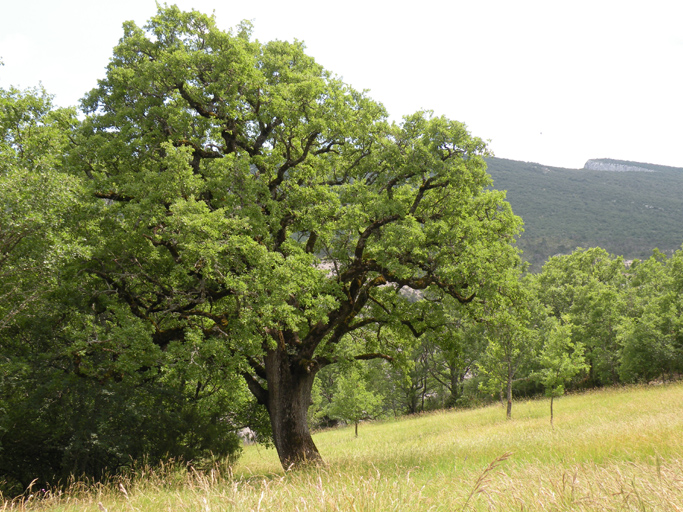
560, 359
511, 327
352, 400
512, 344
256, 199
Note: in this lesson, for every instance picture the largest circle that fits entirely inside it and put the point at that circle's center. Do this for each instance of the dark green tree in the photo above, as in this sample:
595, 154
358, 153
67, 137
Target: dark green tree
588, 285
36, 202
455, 349
36, 197
83, 390
650, 330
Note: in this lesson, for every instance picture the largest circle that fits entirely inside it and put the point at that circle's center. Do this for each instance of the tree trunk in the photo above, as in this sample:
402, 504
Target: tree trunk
456, 387
356, 429
289, 396
551, 411
509, 397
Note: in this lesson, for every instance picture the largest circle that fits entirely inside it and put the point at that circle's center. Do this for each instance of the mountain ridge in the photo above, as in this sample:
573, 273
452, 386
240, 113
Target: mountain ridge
610, 164
628, 213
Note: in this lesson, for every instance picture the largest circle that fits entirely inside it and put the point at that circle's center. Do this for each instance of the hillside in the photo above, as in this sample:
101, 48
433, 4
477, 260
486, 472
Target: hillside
628, 208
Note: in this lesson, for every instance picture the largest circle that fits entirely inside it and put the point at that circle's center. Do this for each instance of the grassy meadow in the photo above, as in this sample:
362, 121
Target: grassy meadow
614, 449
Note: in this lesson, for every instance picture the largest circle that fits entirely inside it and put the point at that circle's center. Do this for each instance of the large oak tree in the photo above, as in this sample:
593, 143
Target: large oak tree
252, 197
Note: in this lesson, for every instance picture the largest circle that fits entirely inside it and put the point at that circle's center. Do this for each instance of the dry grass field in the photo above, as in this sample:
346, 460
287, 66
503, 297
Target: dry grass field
614, 449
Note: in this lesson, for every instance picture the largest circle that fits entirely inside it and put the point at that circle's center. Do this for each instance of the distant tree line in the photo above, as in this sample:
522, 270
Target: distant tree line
586, 320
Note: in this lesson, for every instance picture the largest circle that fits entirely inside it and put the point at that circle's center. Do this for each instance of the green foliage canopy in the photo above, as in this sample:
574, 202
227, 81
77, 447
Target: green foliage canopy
588, 286
254, 198
36, 196
83, 390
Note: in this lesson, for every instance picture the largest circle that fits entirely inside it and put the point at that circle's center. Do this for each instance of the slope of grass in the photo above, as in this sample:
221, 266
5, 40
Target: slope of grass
617, 449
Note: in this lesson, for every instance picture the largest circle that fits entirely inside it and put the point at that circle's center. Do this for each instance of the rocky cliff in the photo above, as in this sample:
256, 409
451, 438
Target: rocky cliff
601, 165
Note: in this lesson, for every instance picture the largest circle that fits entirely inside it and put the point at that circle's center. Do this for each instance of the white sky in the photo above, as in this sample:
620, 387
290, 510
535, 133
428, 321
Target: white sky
548, 81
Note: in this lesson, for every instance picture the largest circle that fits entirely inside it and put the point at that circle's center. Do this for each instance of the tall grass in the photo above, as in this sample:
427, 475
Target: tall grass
617, 449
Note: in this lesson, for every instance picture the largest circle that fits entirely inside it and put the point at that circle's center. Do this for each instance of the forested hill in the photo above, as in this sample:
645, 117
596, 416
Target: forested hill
628, 208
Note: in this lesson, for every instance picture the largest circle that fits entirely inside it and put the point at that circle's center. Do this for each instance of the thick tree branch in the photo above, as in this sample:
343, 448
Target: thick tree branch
363, 323
412, 328
259, 392
257, 367
171, 247
281, 236
113, 196
372, 228
323, 361
375, 355
289, 164
310, 243
420, 283
196, 106
428, 184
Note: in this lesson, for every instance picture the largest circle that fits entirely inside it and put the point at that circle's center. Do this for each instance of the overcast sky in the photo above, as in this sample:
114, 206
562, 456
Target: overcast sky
553, 82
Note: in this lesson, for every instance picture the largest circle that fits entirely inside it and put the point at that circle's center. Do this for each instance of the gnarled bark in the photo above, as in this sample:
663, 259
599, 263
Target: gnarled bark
289, 396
